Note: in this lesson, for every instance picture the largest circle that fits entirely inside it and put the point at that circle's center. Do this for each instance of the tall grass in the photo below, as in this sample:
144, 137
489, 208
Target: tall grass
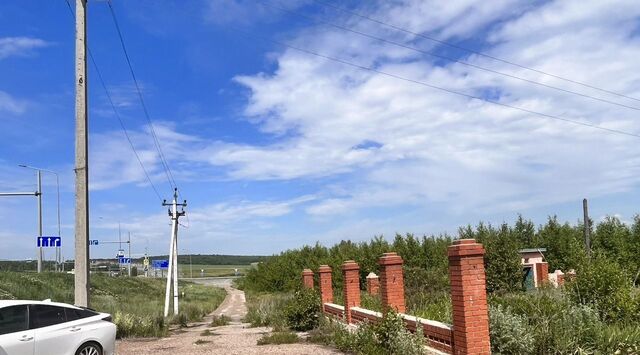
135, 303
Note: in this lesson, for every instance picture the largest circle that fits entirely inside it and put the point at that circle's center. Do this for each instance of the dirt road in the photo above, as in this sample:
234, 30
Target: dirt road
236, 338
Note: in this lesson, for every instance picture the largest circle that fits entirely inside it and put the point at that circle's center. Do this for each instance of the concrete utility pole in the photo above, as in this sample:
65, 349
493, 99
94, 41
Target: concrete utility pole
587, 229
82, 164
172, 273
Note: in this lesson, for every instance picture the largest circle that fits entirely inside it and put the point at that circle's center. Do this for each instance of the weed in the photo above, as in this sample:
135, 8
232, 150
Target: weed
202, 342
219, 321
279, 338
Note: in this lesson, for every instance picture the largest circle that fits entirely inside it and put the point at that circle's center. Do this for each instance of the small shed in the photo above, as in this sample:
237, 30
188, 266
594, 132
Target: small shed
535, 269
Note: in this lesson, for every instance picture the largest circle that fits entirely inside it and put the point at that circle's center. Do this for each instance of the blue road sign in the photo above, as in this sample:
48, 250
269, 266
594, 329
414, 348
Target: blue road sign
49, 241
160, 264
124, 260
93, 242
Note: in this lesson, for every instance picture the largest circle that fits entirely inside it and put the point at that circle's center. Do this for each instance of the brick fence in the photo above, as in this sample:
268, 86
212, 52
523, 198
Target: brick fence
469, 333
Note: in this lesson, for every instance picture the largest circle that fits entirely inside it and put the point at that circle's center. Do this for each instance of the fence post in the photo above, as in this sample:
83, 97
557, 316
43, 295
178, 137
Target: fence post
373, 284
307, 278
392, 282
326, 289
469, 298
351, 287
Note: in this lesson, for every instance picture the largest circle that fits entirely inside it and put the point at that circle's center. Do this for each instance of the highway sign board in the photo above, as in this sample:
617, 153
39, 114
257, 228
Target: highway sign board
120, 253
160, 264
49, 241
93, 242
124, 260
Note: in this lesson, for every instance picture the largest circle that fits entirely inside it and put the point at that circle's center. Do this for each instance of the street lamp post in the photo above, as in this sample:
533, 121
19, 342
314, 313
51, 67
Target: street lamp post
39, 194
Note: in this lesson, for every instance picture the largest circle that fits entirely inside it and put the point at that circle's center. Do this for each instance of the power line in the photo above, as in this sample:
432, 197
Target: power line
453, 45
163, 160
402, 45
469, 96
115, 111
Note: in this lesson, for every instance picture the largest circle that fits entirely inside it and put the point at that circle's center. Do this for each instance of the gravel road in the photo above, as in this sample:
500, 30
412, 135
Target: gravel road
236, 338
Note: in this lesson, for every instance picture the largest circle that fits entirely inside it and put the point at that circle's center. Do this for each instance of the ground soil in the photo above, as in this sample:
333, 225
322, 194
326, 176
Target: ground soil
235, 338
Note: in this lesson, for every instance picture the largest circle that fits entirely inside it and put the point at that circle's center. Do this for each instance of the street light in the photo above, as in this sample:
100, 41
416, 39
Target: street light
38, 170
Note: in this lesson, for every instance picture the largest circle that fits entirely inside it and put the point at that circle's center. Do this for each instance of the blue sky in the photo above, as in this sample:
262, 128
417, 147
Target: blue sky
275, 148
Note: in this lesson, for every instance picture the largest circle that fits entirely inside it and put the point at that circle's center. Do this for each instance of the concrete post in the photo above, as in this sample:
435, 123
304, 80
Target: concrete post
307, 279
469, 298
373, 284
392, 282
351, 287
326, 288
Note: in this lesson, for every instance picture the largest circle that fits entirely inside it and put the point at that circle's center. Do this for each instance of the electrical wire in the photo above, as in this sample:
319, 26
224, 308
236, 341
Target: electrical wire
458, 93
453, 45
115, 112
163, 160
429, 53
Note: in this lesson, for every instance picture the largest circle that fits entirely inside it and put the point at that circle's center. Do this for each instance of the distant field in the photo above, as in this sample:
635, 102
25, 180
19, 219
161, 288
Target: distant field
211, 270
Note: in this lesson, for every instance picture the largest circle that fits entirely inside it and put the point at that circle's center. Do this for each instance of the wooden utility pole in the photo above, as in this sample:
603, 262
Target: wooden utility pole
82, 164
587, 229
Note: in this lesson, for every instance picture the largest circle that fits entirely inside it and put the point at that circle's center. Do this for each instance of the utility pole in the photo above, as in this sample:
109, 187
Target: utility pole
130, 261
172, 273
39, 218
81, 292
587, 229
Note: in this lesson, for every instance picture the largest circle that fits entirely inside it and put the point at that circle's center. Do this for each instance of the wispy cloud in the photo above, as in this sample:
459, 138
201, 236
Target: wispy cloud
10, 104
20, 46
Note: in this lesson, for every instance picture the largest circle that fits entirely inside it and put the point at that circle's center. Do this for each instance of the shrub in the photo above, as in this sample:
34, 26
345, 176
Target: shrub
510, 333
267, 310
278, 338
302, 312
219, 321
387, 337
603, 285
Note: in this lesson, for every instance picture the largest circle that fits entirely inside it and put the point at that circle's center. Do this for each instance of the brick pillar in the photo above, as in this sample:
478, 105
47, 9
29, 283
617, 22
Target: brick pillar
542, 274
307, 278
373, 284
351, 287
469, 298
326, 289
392, 282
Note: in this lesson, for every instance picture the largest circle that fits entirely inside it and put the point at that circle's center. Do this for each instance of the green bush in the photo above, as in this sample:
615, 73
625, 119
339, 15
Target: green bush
604, 286
387, 337
266, 310
279, 338
510, 333
303, 310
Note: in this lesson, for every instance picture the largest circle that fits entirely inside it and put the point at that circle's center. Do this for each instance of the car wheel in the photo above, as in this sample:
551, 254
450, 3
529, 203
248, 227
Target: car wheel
89, 349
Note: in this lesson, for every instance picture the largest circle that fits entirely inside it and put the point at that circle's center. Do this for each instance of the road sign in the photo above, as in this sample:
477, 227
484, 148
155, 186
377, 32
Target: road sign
124, 260
49, 241
160, 264
93, 242
120, 253
146, 262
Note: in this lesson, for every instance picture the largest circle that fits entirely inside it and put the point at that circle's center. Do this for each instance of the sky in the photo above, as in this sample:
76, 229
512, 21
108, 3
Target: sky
274, 146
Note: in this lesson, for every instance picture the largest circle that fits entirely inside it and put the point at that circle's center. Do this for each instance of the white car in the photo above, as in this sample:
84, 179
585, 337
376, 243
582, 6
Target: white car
49, 328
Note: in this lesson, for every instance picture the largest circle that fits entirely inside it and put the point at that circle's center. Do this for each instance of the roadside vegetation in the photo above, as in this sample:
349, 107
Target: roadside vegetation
136, 304
597, 312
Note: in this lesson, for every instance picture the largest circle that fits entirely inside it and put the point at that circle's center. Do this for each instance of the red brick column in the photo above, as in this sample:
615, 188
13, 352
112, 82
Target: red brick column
351, 287
542, 274
373, 284
469, 298
326, 289
307, 278
392, 282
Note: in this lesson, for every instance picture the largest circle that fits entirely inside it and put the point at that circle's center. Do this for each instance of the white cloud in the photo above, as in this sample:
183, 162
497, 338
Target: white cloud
435, 147
20, 46
11, 105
